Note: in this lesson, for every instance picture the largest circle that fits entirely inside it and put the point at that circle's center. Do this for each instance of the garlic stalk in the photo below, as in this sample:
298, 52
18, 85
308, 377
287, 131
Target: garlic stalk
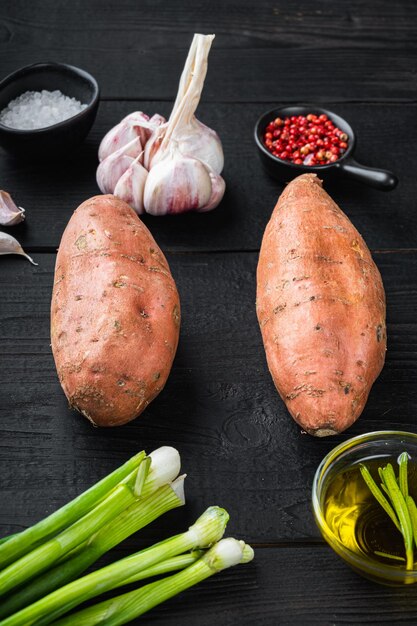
194, 138
187, 72
10, 214
182, 177
136, 124
10, 245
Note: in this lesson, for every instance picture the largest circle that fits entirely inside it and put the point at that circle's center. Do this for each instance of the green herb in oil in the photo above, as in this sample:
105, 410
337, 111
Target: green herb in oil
393, 495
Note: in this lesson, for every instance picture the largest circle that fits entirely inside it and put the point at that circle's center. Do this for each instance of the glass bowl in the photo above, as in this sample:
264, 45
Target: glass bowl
384, 446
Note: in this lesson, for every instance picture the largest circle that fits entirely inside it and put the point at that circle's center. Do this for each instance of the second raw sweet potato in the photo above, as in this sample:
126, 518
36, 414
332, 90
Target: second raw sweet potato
321, 309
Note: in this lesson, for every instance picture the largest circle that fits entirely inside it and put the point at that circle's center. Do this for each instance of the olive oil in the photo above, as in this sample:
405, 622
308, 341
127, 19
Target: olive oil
356, 518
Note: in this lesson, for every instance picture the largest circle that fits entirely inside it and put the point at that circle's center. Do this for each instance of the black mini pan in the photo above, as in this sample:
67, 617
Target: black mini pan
345, 167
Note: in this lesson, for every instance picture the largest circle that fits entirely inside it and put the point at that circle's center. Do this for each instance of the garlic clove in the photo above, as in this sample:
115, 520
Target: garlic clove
177, 185
136, 124
121, 134
136, 117
131, 185
152, 147
110, 170
195, 140
114, 166
10, 245
144, 128
10, 214
202, 142
218, 187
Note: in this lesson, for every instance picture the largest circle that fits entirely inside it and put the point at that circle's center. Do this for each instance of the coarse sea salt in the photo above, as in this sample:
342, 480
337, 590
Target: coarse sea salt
39, 109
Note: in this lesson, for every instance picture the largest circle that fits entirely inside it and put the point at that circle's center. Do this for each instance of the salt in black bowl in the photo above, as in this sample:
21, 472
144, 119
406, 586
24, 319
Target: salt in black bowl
61, 138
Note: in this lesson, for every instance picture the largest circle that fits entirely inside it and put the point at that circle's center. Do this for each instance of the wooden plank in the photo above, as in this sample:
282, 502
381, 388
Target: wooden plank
139, 52
386, 220
249, 75
158, 25
239, 446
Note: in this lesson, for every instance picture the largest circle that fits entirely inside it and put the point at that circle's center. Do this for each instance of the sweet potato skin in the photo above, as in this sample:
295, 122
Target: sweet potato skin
115, 313
321, 309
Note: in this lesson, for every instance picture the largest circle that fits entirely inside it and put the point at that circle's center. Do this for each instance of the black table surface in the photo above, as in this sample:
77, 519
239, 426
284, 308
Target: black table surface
238, 444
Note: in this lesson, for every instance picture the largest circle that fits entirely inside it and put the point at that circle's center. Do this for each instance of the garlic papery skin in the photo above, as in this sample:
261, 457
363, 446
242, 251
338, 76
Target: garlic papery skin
195, 140
152, 147
10, 214
115, 165
10, 245
131, 185
155, 121
136, 124
177, 184
202, 143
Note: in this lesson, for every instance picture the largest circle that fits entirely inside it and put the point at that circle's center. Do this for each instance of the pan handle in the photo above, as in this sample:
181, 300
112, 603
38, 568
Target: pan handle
380, 179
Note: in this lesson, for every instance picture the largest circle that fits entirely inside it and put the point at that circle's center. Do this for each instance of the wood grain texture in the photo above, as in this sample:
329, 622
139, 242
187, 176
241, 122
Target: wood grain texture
385, 220
239, 445
139, 51
157, 24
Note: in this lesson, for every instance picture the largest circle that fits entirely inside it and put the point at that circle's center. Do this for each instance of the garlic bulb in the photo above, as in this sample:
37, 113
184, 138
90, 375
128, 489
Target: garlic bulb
131, 185
167, 167
194, 138
10, 214
181, 183
136, 124
10, 245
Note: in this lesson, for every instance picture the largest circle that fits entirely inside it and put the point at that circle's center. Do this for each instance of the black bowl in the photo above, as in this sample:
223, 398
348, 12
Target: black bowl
345, 166
58, 139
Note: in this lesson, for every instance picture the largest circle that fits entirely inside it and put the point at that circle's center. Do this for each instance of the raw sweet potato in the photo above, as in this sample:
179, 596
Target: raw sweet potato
321, 309
115, 313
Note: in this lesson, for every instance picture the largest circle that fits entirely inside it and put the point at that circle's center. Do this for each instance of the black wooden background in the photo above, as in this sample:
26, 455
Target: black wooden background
239, 446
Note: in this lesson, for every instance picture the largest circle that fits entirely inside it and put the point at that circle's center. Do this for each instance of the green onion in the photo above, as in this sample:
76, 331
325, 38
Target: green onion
39, 559
161, 466
3, 539
135, 517
208, 529
124, 608
31, 537
169, 565
165, 467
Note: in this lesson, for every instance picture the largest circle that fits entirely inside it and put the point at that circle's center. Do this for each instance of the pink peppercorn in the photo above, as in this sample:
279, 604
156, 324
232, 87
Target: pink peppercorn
305, 139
